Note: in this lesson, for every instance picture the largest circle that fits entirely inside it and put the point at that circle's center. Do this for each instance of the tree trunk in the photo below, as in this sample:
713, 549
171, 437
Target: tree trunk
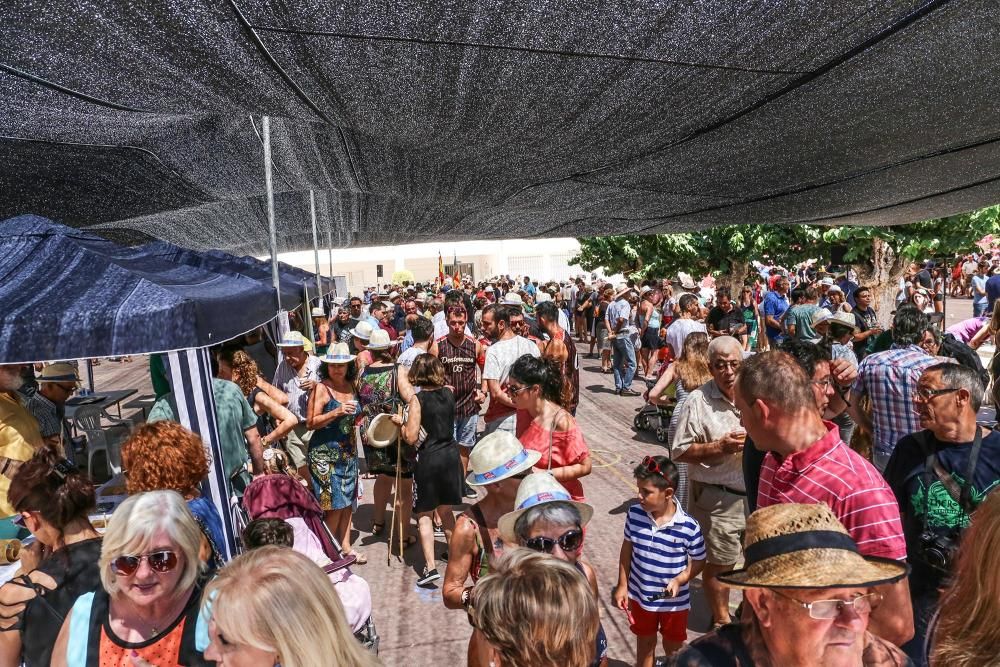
734, 280
881, 273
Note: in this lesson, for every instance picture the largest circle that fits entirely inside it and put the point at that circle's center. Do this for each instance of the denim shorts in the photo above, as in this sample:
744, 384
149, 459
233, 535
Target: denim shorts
465, 430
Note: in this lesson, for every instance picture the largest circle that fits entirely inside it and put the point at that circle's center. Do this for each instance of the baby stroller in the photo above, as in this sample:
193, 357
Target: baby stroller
280, 496
653, 416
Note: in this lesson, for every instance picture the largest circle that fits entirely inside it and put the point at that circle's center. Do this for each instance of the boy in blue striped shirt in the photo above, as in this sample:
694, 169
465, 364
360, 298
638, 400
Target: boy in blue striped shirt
662, 551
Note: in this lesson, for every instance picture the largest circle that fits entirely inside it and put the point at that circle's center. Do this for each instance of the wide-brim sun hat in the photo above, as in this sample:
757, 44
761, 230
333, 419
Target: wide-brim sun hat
820, 316
292, 339
845, 319
363, 330
498, 456
60, 371
539, 488
382, 431
790, 545
512, 299
380, 340
340, 353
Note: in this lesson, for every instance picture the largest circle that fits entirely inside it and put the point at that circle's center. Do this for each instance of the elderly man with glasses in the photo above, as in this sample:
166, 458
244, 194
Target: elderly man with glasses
940, 475
56, 383
782, 404
809, 596
710, 439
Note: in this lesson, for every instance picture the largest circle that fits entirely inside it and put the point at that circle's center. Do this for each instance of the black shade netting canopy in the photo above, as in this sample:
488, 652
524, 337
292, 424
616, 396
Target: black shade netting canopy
427, 121
66, 296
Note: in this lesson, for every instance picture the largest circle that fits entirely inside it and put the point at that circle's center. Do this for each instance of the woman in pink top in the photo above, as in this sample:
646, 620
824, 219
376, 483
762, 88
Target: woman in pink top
534, 386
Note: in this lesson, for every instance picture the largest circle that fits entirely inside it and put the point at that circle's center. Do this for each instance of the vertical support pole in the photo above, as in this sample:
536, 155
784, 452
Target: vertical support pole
269, 186
319, 279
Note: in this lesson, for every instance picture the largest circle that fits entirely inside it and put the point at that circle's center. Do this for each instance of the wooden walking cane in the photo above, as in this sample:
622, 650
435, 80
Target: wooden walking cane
396, 514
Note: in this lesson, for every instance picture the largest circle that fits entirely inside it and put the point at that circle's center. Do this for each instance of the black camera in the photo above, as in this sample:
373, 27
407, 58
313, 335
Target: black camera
938, 550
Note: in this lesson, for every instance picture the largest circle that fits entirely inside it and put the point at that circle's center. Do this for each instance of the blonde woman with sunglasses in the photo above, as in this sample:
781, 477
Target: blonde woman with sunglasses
146, 612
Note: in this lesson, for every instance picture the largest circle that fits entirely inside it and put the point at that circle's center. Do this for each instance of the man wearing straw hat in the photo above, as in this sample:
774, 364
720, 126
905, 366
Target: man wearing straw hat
810, 595
296, 375
808, 462
56, 383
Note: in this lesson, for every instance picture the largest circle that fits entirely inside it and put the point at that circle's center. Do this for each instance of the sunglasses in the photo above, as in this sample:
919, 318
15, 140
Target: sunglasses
514, 391
650, 464
18, 520
569, 541
159, 561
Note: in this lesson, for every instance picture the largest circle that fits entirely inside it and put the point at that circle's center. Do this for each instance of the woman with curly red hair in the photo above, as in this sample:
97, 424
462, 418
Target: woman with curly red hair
164, 455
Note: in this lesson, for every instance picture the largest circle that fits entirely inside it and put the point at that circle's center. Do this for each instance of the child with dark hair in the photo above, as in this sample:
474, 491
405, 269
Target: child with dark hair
662, 551
268, 532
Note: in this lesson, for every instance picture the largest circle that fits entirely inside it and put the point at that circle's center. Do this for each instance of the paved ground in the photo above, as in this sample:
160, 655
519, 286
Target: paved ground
415, 627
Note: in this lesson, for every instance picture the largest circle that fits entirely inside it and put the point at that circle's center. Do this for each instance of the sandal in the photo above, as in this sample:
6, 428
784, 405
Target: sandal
377, 528
359, 558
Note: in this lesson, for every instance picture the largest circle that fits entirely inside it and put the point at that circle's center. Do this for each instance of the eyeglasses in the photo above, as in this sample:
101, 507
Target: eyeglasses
927, 394
723, 365
159, 561
826, 610
569, 541
824, 384
514, 391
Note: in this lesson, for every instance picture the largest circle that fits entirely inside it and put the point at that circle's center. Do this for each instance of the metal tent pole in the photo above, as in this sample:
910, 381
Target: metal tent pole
329, 249
319, 279
268, 185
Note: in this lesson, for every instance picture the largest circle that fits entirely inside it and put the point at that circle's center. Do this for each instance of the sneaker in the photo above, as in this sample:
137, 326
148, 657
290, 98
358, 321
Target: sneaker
438, 530
429, 576
469, 492
628, 392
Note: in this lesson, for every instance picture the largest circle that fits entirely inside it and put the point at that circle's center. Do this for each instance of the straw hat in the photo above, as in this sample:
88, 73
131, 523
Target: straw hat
498, 456
820, 316
805, 546
382, 431
339, 353
362, 330
539, 488
59, 372
293, 339
512, 299
846, 319
379, 340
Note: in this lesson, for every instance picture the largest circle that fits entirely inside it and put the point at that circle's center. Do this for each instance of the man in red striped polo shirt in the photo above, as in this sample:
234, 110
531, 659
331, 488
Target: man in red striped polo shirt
807, 462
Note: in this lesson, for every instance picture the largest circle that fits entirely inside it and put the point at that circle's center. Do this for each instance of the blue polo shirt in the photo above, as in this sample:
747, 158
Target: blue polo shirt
775, 306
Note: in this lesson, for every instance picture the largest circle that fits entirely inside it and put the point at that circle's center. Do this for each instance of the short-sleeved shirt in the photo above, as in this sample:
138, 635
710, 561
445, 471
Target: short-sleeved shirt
46, 413
19, 438
831, 472
965, 330
286, 379
723, 321
500, 356
234, 418
678, 332
659, 554
979, 296
992, 291
923, 497
801, 317
620, 309
774, 306
890, 379
708, 415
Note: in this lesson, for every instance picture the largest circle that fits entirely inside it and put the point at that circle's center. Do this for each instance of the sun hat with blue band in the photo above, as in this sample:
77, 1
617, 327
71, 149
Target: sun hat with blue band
292, 339
340, 353
539, 488
805, 546
498, 456
60, 371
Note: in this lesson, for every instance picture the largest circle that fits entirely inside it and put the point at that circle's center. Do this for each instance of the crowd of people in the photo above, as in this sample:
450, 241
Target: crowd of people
825, 460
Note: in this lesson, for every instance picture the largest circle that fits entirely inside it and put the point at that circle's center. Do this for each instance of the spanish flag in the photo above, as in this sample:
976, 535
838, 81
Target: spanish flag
457, 278
440, 269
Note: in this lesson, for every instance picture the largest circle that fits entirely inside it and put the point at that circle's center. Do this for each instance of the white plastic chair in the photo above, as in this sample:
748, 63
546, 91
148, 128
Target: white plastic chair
87, 419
